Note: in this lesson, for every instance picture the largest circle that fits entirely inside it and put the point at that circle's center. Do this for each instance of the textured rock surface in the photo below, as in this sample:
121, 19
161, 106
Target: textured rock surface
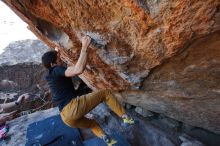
26, 77
187, 86
141, 39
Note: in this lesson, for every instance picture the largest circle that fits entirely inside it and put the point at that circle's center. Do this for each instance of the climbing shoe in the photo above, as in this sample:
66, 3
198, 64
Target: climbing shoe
108, 140
128, 121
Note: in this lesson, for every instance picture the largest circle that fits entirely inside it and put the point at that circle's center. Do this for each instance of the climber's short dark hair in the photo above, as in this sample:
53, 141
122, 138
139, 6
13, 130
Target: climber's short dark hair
48, 58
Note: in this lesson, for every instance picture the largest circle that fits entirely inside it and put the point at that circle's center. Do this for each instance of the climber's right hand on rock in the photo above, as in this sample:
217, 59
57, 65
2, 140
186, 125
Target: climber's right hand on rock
86, 40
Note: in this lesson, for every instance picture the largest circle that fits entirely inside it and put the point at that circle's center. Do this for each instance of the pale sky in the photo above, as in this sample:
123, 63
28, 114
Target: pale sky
12, 28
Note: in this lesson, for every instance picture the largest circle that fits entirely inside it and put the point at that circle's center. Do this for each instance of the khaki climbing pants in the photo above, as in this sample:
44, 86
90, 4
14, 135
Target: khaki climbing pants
73, 113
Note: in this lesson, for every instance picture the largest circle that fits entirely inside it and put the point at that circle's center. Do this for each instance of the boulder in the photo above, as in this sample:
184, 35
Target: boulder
162, 55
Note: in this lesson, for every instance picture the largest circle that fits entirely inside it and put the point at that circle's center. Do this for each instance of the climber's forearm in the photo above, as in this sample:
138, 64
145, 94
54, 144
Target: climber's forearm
80, 65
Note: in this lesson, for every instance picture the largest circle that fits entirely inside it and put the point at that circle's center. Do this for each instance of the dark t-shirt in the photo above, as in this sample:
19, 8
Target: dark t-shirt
61, 87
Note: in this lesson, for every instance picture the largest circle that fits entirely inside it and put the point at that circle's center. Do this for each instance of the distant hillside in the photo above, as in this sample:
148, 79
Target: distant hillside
20, 67
23, 51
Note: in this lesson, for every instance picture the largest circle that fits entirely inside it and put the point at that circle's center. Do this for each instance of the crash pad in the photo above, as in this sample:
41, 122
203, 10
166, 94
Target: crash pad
52, 132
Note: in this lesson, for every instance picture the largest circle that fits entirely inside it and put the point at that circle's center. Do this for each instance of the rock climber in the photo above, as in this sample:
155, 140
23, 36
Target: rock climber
74, 107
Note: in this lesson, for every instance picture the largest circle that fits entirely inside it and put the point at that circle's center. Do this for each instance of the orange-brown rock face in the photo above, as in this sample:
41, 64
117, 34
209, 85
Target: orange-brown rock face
137, 37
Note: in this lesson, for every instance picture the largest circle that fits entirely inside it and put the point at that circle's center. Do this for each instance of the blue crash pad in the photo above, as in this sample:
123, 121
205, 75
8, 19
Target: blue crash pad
52, 132
121, 141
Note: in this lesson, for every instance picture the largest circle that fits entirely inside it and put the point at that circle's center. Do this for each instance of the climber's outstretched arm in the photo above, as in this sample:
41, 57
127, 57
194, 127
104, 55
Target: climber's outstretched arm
79, 67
